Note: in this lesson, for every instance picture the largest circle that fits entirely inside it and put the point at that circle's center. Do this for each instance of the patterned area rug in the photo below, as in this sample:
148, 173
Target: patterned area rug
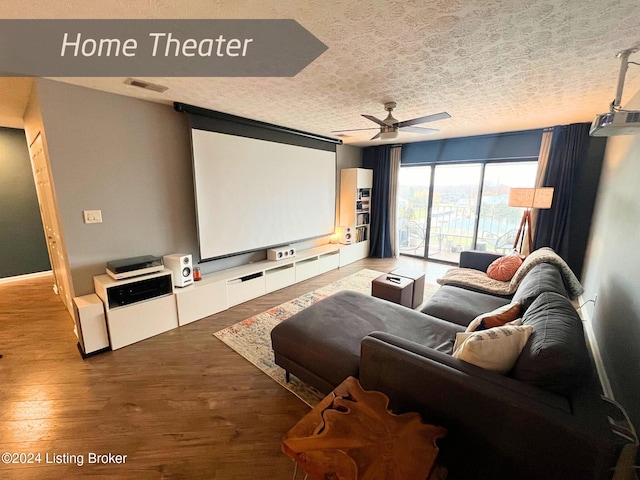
251, 338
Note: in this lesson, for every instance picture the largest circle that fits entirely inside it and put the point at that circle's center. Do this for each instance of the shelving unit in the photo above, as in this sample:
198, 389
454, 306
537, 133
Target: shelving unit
356, 186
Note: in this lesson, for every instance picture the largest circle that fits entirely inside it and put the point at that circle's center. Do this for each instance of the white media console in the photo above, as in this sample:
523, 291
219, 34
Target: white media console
221, 290
216, 291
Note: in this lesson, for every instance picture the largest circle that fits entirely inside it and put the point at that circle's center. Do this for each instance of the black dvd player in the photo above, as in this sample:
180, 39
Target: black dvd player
132, 267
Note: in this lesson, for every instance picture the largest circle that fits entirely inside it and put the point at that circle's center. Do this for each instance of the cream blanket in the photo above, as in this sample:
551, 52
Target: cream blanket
467, 277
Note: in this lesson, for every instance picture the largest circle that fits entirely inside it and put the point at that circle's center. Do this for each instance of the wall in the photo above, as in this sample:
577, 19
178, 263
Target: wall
347, 156
132, 160
612, 269
126, 157
22, 243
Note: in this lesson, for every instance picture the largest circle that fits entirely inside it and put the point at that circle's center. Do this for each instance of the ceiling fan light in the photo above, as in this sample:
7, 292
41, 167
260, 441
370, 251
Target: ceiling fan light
389, 135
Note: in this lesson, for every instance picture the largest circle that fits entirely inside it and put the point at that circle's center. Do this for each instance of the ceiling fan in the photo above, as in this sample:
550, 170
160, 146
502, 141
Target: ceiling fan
389, 127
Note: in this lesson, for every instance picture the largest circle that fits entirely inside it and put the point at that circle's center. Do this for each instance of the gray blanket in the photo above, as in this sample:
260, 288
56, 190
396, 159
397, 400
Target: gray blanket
467, 277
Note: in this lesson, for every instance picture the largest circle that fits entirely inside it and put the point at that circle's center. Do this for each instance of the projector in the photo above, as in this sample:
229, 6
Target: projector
624, 122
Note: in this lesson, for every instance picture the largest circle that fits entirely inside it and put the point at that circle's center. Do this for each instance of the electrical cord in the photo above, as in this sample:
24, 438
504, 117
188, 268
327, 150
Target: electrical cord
588, 301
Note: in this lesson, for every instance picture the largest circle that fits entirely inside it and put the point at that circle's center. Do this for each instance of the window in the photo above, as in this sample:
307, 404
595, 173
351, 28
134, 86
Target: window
498, 225
446, 208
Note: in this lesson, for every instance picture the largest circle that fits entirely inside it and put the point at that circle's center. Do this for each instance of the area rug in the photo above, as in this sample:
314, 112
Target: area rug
251, 338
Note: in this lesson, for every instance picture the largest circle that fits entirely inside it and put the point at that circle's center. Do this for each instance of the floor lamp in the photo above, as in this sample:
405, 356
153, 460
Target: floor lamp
528, 198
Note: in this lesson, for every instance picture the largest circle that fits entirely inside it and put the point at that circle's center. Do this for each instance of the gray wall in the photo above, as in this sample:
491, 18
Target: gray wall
22, 243
126, 157
612, 269
347, 157
132, 160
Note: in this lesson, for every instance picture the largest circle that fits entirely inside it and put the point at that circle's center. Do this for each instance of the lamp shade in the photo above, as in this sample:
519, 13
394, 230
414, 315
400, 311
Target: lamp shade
531, 197
521, 197
543, 197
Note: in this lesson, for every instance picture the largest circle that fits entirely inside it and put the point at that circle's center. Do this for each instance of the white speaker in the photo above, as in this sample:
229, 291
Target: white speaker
281, 253
346, 235
182, 266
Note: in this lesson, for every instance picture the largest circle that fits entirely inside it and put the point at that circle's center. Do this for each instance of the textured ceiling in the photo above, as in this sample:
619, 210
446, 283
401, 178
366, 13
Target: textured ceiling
494, 65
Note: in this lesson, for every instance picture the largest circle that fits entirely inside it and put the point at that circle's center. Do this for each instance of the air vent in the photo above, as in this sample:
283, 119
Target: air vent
633, 117
146, 85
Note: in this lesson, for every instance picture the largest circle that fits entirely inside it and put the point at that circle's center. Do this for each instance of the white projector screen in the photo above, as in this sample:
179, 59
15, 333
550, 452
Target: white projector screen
254, 194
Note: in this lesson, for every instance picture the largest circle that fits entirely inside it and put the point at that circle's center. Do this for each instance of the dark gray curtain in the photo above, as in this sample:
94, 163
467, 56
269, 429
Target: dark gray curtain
379, 160
568, 146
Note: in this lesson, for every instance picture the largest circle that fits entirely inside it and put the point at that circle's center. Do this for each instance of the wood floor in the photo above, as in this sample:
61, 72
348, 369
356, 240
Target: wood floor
181, 405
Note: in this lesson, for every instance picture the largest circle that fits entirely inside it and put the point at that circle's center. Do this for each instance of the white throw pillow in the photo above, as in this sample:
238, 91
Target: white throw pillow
496, 349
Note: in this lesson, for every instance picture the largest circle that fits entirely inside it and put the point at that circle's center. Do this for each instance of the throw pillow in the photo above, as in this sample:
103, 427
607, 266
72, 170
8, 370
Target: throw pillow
496, 349
504, 268
496, 318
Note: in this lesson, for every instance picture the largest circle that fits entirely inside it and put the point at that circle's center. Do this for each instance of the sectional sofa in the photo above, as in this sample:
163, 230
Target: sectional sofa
544, 418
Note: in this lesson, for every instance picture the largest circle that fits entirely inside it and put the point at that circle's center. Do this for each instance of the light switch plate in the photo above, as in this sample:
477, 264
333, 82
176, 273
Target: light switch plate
92, 216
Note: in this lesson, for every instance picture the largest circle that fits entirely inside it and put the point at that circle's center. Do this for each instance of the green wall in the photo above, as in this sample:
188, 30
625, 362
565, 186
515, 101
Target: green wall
22, 244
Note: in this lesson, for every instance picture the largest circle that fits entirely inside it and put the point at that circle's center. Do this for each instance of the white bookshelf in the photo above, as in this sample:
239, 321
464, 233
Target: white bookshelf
356, 185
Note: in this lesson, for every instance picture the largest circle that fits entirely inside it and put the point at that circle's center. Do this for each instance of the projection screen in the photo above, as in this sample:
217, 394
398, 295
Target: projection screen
254, 194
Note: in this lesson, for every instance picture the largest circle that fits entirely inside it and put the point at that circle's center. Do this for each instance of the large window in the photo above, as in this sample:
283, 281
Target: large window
444, 209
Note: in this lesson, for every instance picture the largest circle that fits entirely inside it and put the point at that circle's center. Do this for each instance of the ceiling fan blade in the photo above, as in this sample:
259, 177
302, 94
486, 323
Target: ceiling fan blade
377, 135
425, 119
354, 130
375, 120
424, 131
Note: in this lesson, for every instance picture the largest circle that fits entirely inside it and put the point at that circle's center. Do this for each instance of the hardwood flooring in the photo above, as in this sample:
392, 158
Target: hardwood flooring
181, 405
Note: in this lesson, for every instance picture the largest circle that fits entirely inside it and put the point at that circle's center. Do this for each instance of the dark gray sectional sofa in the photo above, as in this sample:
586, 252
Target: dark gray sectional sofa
543, 420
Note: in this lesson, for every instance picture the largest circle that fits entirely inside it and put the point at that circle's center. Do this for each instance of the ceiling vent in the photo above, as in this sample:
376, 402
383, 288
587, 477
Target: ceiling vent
146, 85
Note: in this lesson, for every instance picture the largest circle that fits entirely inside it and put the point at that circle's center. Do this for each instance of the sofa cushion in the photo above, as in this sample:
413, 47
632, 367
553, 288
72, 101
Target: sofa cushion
504, 268
495, 349
325, 337
542, 278
555, 357
459, 305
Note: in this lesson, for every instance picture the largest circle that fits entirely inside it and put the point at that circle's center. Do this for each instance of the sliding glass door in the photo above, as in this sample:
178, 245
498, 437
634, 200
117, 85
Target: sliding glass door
413, 209
453, 211
446, 208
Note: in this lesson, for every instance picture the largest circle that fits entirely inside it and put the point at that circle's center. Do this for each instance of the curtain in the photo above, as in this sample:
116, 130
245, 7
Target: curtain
543, 156
543, 162
394, 172
568, 146
379, 159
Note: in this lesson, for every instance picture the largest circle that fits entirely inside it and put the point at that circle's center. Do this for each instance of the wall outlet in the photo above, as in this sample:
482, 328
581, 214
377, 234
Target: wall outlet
92, 216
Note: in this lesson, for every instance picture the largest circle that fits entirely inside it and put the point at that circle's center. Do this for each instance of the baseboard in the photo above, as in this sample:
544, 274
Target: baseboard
28, 276
595, 351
